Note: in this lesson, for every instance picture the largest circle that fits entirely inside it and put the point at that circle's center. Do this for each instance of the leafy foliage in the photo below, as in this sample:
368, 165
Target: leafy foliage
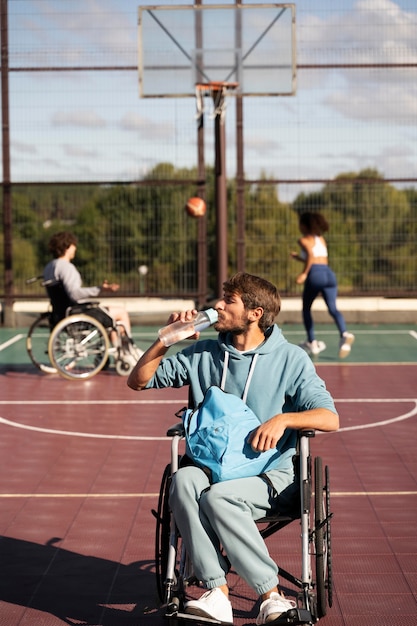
372, 238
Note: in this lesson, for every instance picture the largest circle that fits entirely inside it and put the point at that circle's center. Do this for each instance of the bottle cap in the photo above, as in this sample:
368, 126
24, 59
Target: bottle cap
212, 315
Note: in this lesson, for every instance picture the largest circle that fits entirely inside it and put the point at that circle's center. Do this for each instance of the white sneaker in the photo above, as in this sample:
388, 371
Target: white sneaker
345, 344
212, 604
313, 347
137, 353
273, 607
128, 357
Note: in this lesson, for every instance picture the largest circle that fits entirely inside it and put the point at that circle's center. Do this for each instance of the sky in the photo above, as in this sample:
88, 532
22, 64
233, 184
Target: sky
93, 126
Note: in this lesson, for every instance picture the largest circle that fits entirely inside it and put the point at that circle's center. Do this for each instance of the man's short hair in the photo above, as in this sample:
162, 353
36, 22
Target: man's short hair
60, 242
256, 292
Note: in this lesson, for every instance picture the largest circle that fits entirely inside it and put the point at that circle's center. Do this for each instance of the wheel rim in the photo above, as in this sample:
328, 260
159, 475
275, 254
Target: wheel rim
78, 347
162, 533
328, 539
319, 538
37, 344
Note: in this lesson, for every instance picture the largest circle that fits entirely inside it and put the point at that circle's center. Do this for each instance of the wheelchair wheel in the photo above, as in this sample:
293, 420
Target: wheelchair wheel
322, 538
329, 515
173, 568
37, 343
78, 347
162, 533
123, 368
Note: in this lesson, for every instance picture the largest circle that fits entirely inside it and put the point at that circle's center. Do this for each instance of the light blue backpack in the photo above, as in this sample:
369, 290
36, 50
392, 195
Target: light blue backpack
217, 435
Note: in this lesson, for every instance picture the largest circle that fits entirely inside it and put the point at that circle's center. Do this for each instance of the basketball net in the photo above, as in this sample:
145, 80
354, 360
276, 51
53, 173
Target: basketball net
217, 91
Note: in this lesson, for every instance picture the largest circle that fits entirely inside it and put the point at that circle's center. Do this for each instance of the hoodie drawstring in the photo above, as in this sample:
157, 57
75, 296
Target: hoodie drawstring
249, 378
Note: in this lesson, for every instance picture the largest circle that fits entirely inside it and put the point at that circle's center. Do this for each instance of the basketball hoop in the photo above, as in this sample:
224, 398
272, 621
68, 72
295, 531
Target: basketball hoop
217, 90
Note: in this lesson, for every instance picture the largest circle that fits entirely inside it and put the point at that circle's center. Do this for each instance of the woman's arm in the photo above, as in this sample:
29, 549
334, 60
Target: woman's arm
307, 245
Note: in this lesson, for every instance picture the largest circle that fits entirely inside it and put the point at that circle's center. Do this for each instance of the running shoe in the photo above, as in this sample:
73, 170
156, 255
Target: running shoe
313, 347
345, 344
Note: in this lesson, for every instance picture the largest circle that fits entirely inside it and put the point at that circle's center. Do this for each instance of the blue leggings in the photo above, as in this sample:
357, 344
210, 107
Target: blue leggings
321, 279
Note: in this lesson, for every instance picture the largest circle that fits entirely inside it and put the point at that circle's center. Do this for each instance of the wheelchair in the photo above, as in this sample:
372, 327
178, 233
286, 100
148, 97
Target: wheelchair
312, 586
72, 339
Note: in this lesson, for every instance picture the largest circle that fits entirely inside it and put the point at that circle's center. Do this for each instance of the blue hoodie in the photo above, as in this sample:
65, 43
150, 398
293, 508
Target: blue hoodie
284, 379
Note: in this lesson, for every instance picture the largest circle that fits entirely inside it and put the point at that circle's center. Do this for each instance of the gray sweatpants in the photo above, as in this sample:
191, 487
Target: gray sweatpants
209, 516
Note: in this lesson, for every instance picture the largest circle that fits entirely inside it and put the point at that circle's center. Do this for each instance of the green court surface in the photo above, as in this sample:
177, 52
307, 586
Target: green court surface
373, 344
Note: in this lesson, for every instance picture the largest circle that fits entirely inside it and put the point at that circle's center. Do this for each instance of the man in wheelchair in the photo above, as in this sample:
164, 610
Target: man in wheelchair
62, 271
250, 358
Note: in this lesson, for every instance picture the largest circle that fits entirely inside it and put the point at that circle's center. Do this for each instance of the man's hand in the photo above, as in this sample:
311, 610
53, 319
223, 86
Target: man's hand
267, 435
106, 286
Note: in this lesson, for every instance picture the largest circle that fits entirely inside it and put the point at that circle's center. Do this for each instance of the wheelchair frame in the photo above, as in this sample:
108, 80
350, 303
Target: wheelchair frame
73, 340
174, 573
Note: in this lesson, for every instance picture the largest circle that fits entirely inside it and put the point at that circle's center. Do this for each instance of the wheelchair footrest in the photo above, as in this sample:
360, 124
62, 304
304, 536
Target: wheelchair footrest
296, 617
182, 618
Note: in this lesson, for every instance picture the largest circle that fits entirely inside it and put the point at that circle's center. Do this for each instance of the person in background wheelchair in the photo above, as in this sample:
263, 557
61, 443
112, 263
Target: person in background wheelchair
286, 394
63, 246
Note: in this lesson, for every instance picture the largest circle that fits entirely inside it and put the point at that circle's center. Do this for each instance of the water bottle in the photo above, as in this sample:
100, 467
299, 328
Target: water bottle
177, 331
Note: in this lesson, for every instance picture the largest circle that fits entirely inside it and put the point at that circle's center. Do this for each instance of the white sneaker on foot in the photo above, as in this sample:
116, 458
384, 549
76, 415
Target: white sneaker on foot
313, 347
213, 603
137, 353
345, 344
273, 607
128, 357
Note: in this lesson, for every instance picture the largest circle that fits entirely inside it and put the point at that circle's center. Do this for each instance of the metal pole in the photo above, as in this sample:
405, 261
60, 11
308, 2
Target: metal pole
202, 265
240, 175
221, 192
7, 199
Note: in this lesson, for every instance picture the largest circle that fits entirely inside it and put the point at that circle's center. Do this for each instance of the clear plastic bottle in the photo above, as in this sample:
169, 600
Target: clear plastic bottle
177, 331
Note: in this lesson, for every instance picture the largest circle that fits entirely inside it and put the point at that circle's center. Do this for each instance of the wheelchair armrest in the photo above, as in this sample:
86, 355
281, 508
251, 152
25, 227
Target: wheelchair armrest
176, 430
307, 432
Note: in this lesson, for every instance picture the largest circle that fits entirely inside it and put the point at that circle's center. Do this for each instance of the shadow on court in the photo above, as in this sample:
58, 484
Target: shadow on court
74, 587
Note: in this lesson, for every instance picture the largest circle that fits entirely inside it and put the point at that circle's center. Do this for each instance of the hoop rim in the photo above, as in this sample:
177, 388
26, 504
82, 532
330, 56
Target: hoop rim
216, 85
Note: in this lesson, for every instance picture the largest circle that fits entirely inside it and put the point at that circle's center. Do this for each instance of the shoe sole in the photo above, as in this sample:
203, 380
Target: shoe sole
194, 612
271, 618
345, 349
322, 348
310, 352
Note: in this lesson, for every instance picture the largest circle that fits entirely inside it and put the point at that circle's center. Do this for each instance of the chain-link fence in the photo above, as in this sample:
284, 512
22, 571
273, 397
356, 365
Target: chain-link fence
82, 152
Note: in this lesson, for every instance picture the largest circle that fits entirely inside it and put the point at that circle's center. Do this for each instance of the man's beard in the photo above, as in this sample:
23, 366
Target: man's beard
236, 329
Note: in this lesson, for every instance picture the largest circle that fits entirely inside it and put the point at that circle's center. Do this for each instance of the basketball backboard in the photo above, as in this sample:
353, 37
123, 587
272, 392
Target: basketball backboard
252, 45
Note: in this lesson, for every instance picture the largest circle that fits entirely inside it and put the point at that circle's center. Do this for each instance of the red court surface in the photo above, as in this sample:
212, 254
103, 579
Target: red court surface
81, 466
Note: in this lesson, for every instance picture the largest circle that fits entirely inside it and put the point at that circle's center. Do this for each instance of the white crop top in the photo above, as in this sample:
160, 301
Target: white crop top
319, 249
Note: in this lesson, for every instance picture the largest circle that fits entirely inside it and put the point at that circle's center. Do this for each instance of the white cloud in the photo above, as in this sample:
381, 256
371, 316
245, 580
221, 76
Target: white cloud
372, 31
24, 148
81, 118
146, 127
78, 151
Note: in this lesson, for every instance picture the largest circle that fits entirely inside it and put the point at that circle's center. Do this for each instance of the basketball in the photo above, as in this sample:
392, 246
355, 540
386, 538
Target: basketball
196, 207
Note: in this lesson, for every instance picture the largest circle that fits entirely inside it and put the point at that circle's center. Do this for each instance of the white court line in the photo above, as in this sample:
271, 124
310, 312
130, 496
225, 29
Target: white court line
179, 400
94, 402
10, 341
51, 431
79, 495
393, 420
413, 334
356, 332
342, 494
334, 494
69, 433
